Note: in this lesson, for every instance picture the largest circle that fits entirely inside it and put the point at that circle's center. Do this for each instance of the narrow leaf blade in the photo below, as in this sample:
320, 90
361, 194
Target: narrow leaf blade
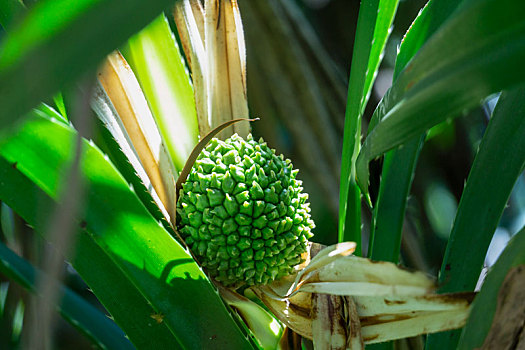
459, 66
497, 165
373, 28
82, 315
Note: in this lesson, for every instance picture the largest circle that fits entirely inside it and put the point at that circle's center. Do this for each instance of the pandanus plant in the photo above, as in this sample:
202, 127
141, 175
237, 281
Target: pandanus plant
173, 215
240, 209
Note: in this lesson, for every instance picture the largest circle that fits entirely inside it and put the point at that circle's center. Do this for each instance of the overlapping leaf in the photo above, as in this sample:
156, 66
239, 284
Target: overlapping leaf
373, 28
149, 258
76, 310
57, 34
499, 162
484, 307
154, 56
460, 65
399, 164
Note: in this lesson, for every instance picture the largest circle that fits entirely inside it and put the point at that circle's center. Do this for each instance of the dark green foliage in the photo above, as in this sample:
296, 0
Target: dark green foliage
371, 36
399, 164
243, 214
87, 319
498, 163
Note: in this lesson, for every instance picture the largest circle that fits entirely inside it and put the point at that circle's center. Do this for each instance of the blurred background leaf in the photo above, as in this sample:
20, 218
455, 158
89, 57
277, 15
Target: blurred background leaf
85, 317
57, 41
299, 93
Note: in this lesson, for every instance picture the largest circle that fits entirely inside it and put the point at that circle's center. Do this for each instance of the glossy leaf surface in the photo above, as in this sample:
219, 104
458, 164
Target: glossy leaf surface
373, 28
161, 270
57, 41
459, 66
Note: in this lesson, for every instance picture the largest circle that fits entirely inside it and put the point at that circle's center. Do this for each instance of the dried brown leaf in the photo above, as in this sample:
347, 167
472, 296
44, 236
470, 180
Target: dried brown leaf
123, 90
508, 327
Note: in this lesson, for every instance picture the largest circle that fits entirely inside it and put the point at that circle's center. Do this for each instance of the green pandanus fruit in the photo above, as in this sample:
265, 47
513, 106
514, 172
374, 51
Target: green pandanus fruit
243, 214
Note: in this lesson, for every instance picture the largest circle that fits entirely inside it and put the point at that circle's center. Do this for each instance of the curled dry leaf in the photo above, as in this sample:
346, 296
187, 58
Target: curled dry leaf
391, 302
294, 312
335, 271
331, 324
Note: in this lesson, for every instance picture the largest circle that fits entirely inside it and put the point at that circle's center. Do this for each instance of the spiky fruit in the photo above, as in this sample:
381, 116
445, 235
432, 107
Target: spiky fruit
242, 213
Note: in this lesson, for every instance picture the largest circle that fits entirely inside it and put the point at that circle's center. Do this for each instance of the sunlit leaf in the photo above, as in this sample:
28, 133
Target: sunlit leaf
161, 270
56, 34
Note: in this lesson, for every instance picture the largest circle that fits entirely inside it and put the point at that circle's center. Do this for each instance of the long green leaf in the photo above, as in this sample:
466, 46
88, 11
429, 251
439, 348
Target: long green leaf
82, 315
154, 56
459, 66
57, 41
373, 28
95, 267
484, 306
399, 164
497, 165
150, 258
389, 211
